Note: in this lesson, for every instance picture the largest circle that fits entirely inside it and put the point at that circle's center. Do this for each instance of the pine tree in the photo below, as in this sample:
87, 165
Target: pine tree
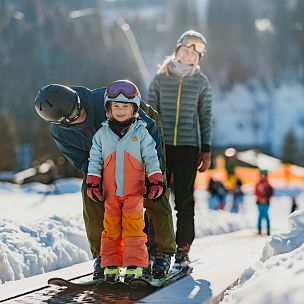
290, 148
7, 153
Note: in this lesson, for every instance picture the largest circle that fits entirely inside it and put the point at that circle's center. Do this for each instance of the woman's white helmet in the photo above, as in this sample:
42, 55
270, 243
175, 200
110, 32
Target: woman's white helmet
193, 39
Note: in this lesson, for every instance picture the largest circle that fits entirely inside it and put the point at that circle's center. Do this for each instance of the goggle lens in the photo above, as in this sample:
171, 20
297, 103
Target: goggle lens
122, 87
198, 45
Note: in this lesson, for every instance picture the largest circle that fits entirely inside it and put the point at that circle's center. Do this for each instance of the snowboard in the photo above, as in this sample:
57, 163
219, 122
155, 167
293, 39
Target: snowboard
175, 274
87, 282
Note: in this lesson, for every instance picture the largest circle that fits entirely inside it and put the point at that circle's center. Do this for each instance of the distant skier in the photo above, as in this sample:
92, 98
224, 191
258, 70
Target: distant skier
237, 196
294, 205
76, 114
217, 194
263, 192
213, 201
123, 152
181, 94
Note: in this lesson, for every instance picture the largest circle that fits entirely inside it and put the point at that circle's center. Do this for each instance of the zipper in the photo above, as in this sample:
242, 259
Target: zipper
177, 111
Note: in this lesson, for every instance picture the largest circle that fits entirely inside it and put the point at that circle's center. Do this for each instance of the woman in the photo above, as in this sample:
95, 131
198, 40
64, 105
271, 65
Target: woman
181, 94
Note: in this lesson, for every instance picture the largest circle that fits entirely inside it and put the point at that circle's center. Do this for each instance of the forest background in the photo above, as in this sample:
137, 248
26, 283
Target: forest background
252, 43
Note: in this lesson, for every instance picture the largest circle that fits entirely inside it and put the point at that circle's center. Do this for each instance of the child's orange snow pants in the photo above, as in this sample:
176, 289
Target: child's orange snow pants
123, 242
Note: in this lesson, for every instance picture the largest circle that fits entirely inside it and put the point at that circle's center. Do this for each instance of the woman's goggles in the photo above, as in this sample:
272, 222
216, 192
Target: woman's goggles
197, 44
129, 90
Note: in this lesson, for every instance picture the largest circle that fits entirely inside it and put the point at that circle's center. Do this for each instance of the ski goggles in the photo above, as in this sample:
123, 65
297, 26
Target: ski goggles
126, 88
75, 114
198, 45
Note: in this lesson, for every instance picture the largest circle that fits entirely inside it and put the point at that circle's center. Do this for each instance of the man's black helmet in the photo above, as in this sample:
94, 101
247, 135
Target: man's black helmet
58, 103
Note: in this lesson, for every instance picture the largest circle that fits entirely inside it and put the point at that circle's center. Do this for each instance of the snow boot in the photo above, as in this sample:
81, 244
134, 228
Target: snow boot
182, 256
111, 274
133, 272
161, 264
98, 272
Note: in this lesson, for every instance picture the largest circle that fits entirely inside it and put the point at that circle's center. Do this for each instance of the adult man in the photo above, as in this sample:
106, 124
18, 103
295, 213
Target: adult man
76, 114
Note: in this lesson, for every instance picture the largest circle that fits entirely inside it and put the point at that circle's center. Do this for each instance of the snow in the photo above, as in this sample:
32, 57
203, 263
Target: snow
279, 275
278, 280
211, 273
254, 113
40, 233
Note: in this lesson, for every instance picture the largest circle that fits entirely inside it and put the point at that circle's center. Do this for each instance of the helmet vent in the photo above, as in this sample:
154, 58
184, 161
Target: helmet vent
49, 104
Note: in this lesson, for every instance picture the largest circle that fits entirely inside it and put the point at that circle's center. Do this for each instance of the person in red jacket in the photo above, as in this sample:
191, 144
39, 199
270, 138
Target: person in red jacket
263, 193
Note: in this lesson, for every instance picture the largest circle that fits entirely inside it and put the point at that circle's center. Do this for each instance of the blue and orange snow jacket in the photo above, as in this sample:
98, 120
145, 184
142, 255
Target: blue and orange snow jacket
125, 161
75, 141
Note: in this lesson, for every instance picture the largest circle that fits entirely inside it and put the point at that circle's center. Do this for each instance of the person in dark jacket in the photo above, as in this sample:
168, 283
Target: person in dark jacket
237, 196
75, 114
294, 205
217, 194
263, 192
181, 94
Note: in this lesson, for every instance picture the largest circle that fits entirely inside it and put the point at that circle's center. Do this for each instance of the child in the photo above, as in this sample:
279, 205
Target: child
122, 154
237, 196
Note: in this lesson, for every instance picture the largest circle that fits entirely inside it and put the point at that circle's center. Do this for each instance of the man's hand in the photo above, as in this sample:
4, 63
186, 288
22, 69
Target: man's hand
93, 190
203, 161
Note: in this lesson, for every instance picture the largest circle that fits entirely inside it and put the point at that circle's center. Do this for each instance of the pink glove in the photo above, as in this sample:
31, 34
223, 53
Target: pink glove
155, 185
93, 191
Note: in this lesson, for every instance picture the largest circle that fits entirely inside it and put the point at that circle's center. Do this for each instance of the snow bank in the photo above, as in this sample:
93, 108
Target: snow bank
279, 277
278, 280
31, 249
212, 222
286, 241
60, 186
